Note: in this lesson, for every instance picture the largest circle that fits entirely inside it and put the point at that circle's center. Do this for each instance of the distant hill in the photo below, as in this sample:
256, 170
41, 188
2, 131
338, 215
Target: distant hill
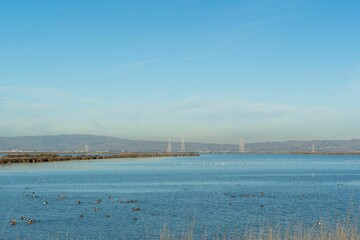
77, 142
101, 143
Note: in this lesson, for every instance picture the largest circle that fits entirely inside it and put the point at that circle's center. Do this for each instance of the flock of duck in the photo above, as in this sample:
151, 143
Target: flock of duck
63, 197
29, 221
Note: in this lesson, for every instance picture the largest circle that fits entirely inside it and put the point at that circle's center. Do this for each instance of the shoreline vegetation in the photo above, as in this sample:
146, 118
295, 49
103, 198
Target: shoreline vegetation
343, 229
52, 157
346, 229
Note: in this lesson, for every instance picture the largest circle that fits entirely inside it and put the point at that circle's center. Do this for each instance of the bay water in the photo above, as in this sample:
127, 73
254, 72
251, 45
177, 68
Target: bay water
136, 198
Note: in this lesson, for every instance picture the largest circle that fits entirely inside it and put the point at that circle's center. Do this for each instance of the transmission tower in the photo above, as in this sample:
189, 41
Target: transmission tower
242, 146
169, 149
182, 147
86, 148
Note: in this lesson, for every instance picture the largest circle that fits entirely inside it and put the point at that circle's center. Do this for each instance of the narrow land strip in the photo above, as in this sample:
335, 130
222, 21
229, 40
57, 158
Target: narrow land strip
51, 157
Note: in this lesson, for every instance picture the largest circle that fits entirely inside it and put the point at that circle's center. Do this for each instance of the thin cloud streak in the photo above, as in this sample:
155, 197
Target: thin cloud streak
26, 106
33, 95
141, 63
202, 116
34, 92
200, 119
230, 110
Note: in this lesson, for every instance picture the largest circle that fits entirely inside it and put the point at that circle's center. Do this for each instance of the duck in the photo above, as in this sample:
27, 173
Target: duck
62, 196
13, 222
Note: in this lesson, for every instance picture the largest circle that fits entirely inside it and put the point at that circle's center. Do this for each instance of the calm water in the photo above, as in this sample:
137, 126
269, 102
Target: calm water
215, 192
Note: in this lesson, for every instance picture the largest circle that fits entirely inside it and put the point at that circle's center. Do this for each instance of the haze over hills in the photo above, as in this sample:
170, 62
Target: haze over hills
102, 143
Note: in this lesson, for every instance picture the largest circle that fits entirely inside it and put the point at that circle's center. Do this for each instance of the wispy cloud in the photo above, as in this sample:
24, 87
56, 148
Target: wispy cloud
141, 63
221, 119
26, 106
33, 99
193, 1
34, 92
230, 110
43, 94
195, 110
201, 118
189, 58
250, 16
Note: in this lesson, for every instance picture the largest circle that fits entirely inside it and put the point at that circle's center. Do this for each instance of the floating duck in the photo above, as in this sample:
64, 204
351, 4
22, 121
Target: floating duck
62, 196
30, 221
13, 222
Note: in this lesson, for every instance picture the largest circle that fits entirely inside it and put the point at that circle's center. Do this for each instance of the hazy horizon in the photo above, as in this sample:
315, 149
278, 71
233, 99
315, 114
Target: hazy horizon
213, 71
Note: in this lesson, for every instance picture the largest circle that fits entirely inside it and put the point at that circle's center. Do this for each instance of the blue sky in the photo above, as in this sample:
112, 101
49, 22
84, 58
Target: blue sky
214, 71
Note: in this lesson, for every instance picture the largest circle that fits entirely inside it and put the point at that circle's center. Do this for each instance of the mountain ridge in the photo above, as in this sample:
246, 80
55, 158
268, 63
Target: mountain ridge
77, 142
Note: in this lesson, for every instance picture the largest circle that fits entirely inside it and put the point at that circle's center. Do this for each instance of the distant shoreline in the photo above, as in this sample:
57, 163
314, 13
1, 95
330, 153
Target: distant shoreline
52, 157
307, 153
280, 153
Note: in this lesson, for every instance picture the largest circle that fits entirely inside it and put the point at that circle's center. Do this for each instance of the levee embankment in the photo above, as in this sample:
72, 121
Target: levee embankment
51, 157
